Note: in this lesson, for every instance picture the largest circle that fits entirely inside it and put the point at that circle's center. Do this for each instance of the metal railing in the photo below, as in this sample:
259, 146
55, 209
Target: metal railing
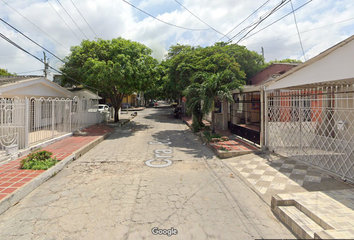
26, 122
315, 126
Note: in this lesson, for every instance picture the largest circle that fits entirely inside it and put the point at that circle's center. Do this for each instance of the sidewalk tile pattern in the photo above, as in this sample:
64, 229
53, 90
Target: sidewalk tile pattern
277, 174
328, 209
233, 145
12, 178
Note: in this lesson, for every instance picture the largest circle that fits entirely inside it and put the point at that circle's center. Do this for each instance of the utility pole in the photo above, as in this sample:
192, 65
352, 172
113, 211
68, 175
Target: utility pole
262, 52
45, 70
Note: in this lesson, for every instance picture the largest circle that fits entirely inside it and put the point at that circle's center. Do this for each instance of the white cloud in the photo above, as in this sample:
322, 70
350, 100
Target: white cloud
112, 19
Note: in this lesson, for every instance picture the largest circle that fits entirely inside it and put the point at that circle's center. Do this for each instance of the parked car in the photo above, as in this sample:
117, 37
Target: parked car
125, 105
99, 108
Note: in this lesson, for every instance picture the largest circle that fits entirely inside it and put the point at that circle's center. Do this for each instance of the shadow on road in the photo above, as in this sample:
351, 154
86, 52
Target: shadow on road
186, 142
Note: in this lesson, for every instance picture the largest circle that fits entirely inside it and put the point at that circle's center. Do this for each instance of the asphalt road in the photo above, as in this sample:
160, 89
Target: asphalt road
151, 178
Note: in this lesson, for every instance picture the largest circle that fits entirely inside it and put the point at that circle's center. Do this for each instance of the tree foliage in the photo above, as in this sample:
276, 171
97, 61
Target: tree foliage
4, 72
116, 67
287, 60
186, 62
201, 96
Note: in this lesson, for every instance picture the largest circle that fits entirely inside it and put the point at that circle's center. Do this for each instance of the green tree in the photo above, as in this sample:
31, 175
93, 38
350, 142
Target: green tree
287, 60
116, 67
185, 62
201, 96
4, 72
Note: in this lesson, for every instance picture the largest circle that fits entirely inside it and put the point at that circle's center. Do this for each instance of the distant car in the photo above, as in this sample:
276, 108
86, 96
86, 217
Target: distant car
99, 108
173, 104
125, 105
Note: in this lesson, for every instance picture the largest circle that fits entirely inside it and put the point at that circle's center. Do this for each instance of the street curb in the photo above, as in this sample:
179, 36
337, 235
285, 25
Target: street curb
26, 189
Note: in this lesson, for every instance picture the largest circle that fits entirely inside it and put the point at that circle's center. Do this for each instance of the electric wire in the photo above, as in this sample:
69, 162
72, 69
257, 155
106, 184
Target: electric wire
297, 28
264, 17
261, 18
84, 18
34, 24
31, 39
244, 20
173, 25
63, 20
30, 71
276, 20
72, 19
305, 31
24, 50
201, 20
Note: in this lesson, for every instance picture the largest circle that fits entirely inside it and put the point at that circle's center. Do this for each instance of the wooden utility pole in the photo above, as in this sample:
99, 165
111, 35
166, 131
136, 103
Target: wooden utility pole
45, 70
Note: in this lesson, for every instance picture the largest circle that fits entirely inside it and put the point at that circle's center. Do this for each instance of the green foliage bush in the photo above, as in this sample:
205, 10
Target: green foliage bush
40, 160
208, 136
197, 125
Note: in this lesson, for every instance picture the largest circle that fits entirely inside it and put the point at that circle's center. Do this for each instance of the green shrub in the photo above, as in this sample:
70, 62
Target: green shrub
40, 160
208, 136
197, 125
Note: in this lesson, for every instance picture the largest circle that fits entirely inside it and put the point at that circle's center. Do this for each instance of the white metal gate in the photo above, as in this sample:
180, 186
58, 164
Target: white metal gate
314, 125
25, 122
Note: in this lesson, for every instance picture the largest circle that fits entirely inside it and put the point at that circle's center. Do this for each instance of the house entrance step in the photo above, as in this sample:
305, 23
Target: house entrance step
301, 225
317, 215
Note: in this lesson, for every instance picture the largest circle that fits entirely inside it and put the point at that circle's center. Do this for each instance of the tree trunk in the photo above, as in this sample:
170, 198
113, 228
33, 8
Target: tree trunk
116, 113
117, 102
212, 122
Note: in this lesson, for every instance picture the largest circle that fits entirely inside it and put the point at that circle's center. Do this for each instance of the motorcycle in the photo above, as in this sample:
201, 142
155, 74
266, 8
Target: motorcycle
177, 112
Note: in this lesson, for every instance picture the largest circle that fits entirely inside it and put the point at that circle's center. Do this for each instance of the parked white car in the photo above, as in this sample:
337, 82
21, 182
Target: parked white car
99, 107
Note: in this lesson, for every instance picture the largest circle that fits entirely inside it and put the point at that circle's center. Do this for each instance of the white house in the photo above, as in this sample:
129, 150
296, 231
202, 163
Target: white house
33, 109
310, 111
31, 86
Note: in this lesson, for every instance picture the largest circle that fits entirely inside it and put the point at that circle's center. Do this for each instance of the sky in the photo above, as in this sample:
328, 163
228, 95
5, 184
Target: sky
58, 25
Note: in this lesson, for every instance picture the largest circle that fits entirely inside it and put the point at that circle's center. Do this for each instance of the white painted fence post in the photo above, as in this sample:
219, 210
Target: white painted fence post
53, 119
27, 122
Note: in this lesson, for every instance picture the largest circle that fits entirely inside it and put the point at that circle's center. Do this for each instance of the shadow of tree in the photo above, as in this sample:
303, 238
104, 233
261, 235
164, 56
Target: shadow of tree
186, 142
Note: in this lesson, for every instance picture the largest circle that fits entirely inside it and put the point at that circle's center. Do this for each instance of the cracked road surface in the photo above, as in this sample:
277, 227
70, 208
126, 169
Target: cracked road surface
110, 193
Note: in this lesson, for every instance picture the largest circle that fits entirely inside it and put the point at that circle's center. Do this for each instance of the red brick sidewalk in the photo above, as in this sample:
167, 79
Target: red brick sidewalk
12, 178
231, 145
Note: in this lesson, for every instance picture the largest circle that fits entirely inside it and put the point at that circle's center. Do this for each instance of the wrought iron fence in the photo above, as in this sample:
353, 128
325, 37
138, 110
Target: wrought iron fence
314, 125
26, 122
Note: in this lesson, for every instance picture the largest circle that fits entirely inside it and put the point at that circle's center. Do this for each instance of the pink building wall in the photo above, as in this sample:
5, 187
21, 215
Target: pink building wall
275, 68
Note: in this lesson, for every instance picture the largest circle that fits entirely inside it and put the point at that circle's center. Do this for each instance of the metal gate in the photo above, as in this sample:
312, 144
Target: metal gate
245, 116
314, 125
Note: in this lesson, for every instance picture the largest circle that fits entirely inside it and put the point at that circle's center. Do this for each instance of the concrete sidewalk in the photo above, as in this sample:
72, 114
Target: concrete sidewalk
16, 183
311, 203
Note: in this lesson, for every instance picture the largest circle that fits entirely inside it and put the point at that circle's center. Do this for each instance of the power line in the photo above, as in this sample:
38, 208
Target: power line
64, 21
277, 20
30, 39
84, 18
33, 24
245, 19
24, 50
173, 25
201, 20
297, 28
308, 30
30, 71
262, 18
72, 19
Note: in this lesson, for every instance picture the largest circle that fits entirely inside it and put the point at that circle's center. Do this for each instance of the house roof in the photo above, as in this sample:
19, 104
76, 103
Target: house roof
31, 86
338, 64
4, 80
85, 93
